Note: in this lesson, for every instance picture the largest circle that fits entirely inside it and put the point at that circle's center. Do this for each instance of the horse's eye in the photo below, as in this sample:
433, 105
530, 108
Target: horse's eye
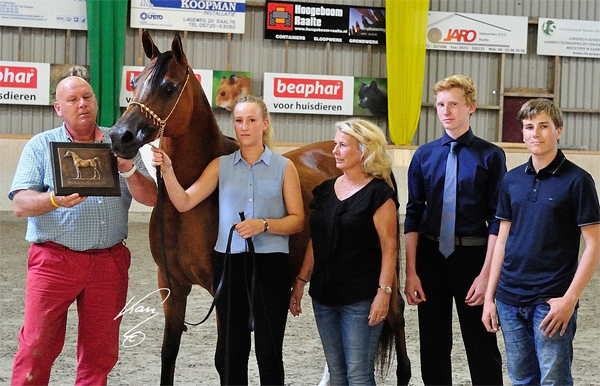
134, 81
170, 88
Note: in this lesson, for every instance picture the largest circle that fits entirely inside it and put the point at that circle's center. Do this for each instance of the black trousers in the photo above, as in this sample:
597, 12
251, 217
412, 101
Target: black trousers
270, 305
444, 280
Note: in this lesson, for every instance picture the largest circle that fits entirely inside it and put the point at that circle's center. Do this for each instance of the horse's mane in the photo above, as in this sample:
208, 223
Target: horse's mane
159, 70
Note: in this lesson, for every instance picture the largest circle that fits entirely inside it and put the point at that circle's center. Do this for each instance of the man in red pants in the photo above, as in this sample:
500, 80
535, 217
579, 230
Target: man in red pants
77, 251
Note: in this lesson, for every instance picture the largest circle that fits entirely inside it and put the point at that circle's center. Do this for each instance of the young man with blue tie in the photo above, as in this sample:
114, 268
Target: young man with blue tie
450, 232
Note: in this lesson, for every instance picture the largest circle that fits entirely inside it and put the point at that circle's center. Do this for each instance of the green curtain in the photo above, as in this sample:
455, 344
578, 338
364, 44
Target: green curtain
106, 20
406, 29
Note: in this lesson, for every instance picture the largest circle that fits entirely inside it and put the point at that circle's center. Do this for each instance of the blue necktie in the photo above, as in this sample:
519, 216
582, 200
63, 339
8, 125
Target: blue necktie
448, 224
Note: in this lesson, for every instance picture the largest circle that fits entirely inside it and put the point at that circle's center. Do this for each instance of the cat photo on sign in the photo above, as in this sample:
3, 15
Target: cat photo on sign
371, 97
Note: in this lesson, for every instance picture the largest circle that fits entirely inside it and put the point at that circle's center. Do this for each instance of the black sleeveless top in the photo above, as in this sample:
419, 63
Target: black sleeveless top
346, 245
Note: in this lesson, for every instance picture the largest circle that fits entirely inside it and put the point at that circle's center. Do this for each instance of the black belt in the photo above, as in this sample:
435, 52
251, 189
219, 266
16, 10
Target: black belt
463, 241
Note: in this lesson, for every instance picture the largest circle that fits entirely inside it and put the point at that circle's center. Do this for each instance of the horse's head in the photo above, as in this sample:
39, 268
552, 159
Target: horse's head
161, 93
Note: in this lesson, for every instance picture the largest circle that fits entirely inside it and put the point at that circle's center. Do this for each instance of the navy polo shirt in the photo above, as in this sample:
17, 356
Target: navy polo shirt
546, 210
481, 166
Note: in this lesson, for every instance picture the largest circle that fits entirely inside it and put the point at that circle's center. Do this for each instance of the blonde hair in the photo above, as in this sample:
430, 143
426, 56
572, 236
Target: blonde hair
268, 136
462, 82
372, 145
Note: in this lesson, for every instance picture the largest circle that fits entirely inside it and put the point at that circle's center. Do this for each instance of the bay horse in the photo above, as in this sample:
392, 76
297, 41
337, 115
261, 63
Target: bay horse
168, 88
79, 163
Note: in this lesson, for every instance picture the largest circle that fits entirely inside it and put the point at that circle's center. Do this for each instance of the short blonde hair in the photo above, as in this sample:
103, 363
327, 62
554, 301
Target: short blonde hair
372, 144
462, 82
268, 136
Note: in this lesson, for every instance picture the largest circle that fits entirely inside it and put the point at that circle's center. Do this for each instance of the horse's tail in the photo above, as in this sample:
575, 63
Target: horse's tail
385, 350
387, 339
98, 163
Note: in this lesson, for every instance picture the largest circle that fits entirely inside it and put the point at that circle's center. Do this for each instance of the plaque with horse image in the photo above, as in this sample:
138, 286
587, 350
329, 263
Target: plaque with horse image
89, 169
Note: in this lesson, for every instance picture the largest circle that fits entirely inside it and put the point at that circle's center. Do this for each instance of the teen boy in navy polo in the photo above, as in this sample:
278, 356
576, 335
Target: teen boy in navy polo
544, 206
433, 281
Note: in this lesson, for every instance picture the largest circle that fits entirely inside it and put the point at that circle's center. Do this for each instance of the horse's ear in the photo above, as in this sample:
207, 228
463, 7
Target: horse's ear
177, 48
149, 47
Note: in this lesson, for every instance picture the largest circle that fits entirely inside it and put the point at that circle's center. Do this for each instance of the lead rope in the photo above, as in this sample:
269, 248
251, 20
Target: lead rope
250, 288
227, 266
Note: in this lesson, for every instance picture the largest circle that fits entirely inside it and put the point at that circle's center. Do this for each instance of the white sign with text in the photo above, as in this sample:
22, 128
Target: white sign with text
560, 37
55, 14
309, 94
189, 15
24, 83
453, 31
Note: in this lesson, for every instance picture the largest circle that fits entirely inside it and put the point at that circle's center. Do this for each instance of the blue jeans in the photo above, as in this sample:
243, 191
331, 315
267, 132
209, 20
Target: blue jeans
531, 357
349, 343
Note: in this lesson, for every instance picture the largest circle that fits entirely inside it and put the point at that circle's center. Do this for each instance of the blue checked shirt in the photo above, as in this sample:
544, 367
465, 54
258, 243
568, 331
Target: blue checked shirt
97, 223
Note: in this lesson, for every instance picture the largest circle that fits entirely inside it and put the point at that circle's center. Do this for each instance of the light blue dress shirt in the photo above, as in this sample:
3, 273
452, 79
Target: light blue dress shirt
97, 223
258, 191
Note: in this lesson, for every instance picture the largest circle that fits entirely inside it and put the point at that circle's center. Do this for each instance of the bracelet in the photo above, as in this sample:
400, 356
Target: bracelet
302, 280
129, 173
266, 225
52, 199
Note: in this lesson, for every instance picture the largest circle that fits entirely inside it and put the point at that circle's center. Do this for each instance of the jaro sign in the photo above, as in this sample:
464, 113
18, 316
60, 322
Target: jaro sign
453, 31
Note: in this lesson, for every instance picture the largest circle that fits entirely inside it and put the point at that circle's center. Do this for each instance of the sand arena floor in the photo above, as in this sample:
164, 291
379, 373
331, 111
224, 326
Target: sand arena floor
304, 360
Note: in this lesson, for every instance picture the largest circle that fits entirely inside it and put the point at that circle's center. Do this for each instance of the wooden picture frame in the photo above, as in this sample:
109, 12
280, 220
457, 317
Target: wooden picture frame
89, 169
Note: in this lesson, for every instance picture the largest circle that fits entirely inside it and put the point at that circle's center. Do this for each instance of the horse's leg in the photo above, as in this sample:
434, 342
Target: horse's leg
174, 309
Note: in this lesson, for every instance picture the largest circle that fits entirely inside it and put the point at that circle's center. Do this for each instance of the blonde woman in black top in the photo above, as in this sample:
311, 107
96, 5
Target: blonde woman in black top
351, 259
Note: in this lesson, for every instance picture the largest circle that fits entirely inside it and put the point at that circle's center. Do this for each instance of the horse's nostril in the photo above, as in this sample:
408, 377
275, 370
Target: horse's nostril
127, 136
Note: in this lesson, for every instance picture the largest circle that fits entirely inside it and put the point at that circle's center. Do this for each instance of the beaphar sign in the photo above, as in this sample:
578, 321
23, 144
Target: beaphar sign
308, 94
23, 83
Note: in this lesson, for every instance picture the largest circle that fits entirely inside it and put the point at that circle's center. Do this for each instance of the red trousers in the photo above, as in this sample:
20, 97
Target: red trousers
56, 277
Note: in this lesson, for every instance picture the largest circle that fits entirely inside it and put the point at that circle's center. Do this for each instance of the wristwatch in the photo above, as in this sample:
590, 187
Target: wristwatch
386, 289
